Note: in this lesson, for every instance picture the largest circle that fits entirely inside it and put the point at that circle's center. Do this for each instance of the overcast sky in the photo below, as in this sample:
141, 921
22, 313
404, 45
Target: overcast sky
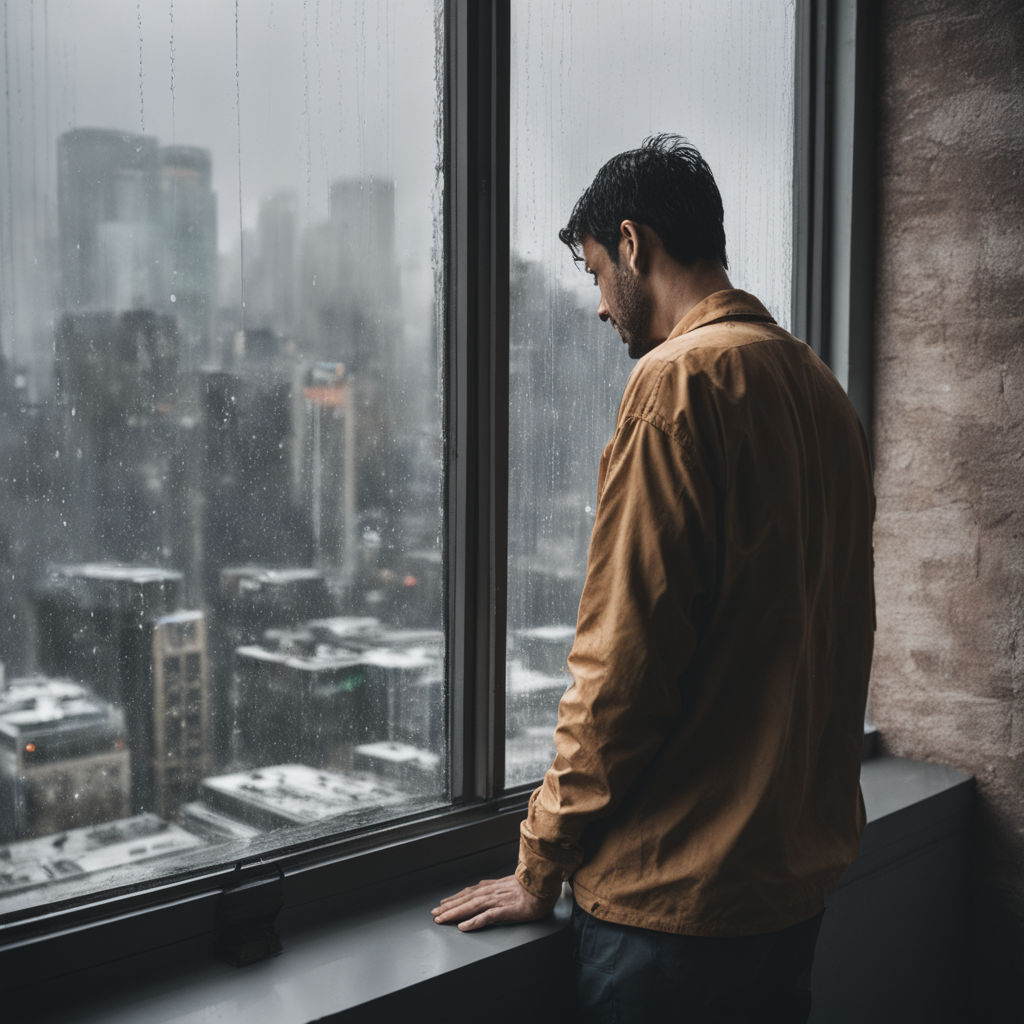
327, 87
592, 79
332, 88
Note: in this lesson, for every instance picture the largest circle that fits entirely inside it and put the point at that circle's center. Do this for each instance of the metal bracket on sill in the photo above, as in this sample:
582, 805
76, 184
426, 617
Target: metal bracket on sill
246, 913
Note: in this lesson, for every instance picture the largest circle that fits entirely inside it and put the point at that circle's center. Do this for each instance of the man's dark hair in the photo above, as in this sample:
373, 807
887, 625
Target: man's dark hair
664, 184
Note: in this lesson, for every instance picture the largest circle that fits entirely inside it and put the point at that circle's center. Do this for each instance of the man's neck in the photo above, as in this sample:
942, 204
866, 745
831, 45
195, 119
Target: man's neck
677, 289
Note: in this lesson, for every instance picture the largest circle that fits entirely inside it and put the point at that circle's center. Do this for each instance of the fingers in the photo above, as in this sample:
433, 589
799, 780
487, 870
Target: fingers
452, 903
461, 909
493, 901
487, 883
482, 920
485, 890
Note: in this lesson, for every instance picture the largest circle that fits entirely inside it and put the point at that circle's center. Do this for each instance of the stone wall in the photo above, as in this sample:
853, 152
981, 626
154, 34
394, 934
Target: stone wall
948, 677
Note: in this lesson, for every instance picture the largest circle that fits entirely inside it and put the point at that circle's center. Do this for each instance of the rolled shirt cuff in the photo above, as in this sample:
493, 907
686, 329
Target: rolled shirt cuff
539, 875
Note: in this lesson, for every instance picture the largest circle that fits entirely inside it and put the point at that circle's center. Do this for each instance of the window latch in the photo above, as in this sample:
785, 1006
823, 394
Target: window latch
246, 914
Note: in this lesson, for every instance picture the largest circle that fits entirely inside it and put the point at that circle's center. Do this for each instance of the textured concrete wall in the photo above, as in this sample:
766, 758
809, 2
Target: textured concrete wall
948, 679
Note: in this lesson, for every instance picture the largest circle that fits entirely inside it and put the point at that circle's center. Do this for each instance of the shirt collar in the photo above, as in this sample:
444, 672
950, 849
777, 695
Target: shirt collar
729, 304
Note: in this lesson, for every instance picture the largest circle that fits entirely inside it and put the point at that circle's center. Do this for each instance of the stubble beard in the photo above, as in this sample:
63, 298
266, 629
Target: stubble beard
633, 319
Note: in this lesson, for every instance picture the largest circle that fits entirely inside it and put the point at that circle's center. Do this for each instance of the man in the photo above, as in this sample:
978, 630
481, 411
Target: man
705, 796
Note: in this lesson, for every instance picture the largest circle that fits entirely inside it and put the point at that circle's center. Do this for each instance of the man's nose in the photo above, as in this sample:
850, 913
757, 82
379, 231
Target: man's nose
602, 310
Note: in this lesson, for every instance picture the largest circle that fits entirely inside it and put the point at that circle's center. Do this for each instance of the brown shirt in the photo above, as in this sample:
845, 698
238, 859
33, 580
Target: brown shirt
706, 779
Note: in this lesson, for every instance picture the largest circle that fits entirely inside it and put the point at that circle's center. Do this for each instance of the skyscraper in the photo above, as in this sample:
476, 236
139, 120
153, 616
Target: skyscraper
329, 467
271, 292
120, 629
350, 279
108, 214
181, 742
129, 457
138, 230
188, 236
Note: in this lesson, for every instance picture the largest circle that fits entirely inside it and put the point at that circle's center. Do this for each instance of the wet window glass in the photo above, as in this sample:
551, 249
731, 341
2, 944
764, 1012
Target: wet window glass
591, 79
221, 582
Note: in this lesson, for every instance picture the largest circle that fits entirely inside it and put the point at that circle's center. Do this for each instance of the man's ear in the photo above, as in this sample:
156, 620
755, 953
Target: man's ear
631, 246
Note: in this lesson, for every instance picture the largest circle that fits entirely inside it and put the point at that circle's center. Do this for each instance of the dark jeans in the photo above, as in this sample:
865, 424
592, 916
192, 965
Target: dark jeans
632, 974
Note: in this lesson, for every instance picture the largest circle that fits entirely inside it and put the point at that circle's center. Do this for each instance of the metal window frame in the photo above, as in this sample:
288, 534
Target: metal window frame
834, 202
477, 222
314, 876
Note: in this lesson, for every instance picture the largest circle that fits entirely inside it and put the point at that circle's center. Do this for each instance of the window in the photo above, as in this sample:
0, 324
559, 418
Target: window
569, 112
300, 410
221, 466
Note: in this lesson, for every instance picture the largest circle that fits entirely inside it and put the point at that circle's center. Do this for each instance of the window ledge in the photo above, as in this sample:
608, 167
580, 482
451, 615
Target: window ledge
378, 960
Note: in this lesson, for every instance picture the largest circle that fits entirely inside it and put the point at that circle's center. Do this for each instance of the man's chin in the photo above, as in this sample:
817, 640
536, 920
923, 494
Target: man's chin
636, 348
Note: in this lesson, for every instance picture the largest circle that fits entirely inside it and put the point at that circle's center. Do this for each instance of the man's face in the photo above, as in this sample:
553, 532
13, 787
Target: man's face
623, 300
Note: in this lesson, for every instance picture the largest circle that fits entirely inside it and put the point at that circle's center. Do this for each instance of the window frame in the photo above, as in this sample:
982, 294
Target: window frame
833, 250
834, 189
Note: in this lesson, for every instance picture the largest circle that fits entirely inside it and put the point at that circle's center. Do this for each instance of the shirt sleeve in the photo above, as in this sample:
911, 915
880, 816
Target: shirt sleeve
651, 560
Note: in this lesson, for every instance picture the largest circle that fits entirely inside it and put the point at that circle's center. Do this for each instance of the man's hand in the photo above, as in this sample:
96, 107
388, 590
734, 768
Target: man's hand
496, 901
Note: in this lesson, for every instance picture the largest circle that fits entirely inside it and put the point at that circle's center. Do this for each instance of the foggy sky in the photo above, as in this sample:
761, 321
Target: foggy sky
333, 88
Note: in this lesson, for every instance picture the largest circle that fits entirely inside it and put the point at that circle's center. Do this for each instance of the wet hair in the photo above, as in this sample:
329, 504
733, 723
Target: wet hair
664, 184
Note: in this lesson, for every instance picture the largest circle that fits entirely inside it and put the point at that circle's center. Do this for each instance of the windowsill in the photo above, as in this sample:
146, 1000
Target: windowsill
333, 969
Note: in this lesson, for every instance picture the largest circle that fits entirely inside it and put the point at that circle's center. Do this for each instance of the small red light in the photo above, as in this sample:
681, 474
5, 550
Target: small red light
410, 581
30, 748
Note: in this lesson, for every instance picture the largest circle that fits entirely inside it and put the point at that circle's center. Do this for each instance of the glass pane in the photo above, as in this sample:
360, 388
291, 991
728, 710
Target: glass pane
590, 80
221, 585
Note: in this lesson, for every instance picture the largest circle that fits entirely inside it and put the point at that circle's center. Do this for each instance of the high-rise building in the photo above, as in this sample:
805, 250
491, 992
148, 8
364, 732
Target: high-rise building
350, 279
251, 460
351, 314
351, 295
181, 745
64, 762
324, 702
137, 228
188, 236
336, 686
248, 601
108, 212
329, 467
22, 468
272, 287
255, 598
111, 365
137, 251
568, 394
131, 469
120, 629
92, 623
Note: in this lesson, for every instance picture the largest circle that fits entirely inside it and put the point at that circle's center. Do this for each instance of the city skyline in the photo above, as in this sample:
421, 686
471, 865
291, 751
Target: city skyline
274, 432
279, 464
325, 114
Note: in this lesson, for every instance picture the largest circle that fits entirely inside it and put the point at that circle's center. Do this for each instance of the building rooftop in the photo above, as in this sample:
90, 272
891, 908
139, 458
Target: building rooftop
38, 702
83, 851
264, 575
297, 793
117, 571
344, 627
320, 659
190, 615
399, 753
